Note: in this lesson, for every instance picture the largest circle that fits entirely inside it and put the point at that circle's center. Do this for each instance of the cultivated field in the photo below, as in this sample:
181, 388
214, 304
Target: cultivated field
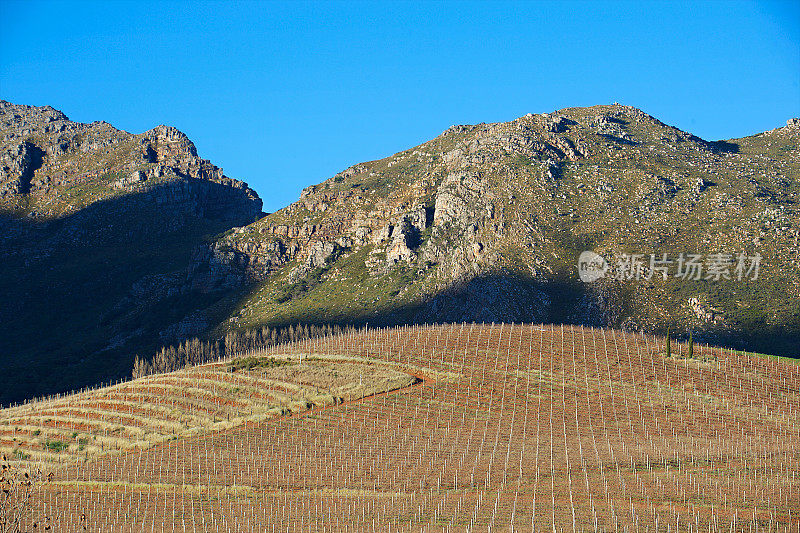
457, 427
138, 414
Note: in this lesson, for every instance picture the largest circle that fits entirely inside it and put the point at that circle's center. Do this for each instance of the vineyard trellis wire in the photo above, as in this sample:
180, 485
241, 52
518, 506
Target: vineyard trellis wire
521, 427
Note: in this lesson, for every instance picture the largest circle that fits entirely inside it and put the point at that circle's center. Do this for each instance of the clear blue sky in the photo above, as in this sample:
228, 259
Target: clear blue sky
286, 94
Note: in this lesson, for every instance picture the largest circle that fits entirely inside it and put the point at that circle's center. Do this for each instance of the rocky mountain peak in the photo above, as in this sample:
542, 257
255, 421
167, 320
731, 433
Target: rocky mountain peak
484, 222
488, 220
22, 114
171, 142
98, 229
43, 155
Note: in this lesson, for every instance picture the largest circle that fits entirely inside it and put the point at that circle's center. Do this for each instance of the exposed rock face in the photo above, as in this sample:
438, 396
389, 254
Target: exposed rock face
319, 252
463, 211
404, 239
44, 154
107, 237
486, 222
19, 162
98, 229
137, 176
457, 197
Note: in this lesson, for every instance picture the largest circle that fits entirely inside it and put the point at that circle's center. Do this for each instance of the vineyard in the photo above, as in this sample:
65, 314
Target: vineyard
460, 427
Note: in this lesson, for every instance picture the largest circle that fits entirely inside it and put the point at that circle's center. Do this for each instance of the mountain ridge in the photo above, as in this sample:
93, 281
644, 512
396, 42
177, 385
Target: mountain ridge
482, 223
509, 206
95, 222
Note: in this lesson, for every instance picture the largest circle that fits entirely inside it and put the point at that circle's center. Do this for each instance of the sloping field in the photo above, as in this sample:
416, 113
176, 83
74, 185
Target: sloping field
510, 428
213, 397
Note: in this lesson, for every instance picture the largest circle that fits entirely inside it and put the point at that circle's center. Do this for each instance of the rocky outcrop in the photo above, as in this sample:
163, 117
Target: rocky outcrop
17, 167
44, 154
486, 222
98, 232
137, 176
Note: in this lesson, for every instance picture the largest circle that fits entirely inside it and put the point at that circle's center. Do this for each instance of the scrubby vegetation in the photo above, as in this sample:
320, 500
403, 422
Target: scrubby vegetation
56, 445
18, 489
249, 363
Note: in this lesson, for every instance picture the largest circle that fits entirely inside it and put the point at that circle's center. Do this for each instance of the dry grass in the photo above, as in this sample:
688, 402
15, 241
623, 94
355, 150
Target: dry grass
213, 397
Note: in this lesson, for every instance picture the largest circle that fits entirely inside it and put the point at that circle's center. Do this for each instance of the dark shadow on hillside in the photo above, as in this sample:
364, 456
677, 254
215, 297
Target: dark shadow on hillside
83, 294
36, 158
511, 297
723, 147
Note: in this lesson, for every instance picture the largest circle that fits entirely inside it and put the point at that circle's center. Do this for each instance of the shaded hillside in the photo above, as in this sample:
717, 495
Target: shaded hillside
113, 244
487, 222
97, 229
523, 428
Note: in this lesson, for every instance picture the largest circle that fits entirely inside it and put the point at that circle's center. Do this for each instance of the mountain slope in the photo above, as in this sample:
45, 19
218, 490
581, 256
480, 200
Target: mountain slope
523, 428
113, 244
97, 229
487, 222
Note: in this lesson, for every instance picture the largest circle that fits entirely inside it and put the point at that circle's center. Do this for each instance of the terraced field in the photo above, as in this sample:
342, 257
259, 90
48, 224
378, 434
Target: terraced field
138, 414
459, 427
